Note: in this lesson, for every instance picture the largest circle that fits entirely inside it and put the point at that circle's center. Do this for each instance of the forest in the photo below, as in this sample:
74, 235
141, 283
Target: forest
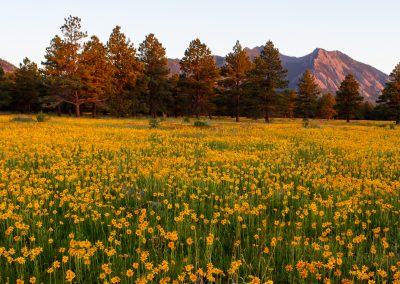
81, 75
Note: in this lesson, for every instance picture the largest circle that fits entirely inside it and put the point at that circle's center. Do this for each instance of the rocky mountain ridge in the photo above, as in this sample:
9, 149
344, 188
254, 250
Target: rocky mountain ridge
328, 67
7, 67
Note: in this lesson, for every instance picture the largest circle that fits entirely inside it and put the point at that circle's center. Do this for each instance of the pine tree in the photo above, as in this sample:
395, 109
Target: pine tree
152, 55
348, 97
289, 104
27, 87
200, 74
175, 103
126, 69
390, 98
235, 76
268, 77
62, 64
95, 71
308, 91
5, 97
365, 110
326, 106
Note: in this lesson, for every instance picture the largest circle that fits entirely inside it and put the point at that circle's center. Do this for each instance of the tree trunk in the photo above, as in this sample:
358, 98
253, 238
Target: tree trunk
151, 106
58, 109
237, 108
266, 113
197, 107
77, 110
266, 118
77, 105
94, 110
348, 118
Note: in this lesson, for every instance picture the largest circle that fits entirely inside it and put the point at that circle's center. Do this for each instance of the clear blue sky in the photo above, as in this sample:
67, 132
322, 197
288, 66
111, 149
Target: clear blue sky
367, 30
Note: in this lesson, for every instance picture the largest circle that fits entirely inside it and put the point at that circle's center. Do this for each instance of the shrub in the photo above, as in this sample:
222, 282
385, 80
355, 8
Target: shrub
186, 119
41, 117
306, 122
199, 123
153, 122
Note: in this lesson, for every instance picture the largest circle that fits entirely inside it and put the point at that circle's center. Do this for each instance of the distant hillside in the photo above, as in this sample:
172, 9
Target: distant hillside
328, 67
7, 67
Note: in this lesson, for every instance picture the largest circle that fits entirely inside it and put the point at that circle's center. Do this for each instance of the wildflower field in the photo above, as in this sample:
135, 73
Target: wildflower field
113, 201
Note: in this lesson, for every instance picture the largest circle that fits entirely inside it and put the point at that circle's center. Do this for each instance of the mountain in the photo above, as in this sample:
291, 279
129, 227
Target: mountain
7, 67
328, 67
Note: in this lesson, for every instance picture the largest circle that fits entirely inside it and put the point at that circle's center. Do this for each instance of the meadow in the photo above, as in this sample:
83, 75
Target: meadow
114, 201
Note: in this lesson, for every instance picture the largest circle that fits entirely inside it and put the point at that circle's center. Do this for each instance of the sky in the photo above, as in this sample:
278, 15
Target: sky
366, 30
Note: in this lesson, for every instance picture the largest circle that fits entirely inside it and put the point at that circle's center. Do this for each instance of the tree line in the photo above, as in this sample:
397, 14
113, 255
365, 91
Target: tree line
118, 79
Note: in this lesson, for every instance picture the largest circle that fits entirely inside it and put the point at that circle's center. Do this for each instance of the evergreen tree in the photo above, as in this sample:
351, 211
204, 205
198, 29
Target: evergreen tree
326, 106
95, 71
365, 110
62, 65
268, 77
126, 69
5, 97
199, 75
235, 72
348, 97
308, 91
289, 104
175, 103
390, 98
27, 87
152, 55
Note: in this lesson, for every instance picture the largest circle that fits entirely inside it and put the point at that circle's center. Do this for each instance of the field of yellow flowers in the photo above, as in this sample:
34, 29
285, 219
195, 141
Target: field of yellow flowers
113, 201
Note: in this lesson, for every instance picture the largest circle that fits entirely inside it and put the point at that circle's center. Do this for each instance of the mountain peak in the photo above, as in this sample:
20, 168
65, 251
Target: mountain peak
329, 69
7, 67
318, 50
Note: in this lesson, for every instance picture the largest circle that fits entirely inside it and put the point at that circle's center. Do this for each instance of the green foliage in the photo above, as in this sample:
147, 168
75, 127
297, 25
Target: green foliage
96, 73
288, 103
186, 119
236, 75
62, 65
306, 122
155, 76
41, 117
199, 76
268, 76
308, 91
154, 122
390, 98
28, 86
326, 106
348, 97
200, 123
5, 87
126, 70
